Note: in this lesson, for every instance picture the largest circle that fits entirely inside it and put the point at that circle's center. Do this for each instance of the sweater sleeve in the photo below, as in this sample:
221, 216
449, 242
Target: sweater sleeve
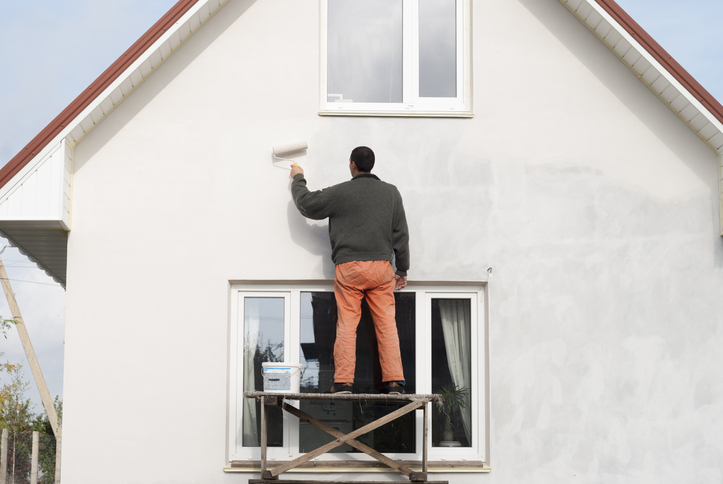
400, 239
314, 205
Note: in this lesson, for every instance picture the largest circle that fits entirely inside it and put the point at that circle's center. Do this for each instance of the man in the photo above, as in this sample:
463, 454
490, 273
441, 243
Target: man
367, 225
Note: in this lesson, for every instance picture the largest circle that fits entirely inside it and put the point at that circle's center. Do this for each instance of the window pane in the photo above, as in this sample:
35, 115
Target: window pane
263, 341
437, 48
452, 371
364, 51
318, 332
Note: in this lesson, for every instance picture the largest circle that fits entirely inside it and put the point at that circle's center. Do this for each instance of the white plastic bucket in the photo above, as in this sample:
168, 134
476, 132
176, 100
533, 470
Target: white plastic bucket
281, 377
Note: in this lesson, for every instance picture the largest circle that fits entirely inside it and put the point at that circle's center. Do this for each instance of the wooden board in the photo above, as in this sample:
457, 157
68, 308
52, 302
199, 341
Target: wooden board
317, 481
393, 397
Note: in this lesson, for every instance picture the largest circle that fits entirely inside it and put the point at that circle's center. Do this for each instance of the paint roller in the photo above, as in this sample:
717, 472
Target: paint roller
282, 150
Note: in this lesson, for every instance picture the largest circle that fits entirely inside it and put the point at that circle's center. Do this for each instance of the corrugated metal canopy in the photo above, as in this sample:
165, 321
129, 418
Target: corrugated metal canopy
44, 244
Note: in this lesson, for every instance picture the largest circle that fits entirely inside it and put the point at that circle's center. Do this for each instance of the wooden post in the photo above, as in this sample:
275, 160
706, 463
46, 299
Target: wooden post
4, 457
58, 451
34, 458
342, 440
425, 436
354, 443
29, 351
264, 474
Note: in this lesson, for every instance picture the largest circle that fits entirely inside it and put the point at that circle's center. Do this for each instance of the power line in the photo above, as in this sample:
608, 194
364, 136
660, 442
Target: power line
31, 282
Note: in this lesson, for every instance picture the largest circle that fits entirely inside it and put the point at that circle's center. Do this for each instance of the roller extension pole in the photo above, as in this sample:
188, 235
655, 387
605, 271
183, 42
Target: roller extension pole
29, 352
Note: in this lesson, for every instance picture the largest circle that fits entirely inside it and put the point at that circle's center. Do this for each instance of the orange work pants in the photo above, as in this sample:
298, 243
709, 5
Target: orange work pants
352, 282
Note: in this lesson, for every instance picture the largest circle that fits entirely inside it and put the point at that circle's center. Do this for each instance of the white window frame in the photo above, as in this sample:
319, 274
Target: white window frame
425, 293
412, 104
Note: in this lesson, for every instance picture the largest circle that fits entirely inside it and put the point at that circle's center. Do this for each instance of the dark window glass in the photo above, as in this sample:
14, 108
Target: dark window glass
318, 331
452, 372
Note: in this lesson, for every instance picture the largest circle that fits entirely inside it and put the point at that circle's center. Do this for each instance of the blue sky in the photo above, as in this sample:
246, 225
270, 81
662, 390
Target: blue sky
51, 50
690, 31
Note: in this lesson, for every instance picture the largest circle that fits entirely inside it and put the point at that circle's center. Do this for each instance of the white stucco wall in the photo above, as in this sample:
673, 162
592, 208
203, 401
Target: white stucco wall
594, 204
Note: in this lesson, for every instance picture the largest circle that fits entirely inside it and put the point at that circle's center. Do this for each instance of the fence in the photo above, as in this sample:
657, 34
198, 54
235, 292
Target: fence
29, 458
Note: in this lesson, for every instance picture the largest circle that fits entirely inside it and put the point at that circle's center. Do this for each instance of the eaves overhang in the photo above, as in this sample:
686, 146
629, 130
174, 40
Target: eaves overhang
36, 184
657, 69
44, 167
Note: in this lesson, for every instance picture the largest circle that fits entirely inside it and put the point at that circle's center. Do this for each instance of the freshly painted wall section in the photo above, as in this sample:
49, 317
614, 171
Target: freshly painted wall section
594, 204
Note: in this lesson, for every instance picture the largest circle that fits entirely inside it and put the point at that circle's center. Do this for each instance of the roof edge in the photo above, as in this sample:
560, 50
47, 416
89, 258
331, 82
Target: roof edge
86, 97
663, 57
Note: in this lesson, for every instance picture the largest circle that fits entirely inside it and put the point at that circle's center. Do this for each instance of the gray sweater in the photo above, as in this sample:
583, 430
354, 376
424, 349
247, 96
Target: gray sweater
366, 219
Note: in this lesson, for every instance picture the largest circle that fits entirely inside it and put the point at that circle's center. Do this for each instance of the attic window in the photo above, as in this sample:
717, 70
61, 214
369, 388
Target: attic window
395, 57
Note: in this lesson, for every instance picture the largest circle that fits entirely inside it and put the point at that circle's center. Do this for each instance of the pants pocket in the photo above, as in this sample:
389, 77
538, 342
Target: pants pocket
349, 273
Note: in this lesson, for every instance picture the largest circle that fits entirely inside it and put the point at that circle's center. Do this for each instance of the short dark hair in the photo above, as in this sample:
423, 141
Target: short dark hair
363, 158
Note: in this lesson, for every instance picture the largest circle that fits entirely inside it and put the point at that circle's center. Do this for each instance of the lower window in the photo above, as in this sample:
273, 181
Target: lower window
443, 346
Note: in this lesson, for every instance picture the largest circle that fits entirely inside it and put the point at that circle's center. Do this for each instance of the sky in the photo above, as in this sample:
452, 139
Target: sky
51, 50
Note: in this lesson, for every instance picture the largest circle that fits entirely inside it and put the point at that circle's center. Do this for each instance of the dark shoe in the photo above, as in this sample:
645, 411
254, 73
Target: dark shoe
341, 388
394, 388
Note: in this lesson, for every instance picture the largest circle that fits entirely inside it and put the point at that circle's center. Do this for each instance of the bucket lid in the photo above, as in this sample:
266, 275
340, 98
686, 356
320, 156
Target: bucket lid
279, 364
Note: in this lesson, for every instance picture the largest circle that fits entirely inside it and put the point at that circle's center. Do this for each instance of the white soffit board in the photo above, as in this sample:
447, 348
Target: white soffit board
40, 194
650, 71
25, 181
35, 203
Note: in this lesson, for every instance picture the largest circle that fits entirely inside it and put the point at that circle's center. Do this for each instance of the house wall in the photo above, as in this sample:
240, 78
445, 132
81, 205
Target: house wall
594, 205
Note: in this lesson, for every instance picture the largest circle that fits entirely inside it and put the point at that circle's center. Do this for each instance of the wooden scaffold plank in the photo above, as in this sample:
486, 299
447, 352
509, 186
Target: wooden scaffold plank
413, 402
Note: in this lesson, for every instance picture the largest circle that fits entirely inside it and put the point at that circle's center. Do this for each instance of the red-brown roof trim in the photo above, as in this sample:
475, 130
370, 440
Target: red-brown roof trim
179, 9
94, 90
665, 59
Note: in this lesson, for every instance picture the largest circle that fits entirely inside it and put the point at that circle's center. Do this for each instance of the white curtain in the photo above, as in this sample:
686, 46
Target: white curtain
250, 343
456, 325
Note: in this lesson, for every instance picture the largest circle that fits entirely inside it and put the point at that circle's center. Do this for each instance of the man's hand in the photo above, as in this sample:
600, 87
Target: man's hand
295, 170
401, 281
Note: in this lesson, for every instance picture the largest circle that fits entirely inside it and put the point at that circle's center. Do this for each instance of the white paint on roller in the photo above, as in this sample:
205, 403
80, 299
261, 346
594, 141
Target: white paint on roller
289, 148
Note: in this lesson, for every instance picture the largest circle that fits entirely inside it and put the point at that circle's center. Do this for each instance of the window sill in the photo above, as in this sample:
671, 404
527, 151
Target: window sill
403, 114
362, 466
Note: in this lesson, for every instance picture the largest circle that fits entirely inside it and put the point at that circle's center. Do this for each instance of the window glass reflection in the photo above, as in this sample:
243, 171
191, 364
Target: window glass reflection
437, 48
364, 51
263, 341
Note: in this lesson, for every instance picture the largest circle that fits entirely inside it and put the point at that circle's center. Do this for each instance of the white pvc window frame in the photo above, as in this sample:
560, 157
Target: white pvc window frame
424, 294
476, 451
236, 370
412, 104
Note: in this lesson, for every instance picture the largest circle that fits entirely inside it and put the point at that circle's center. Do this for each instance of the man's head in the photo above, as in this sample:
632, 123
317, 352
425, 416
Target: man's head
363, 158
